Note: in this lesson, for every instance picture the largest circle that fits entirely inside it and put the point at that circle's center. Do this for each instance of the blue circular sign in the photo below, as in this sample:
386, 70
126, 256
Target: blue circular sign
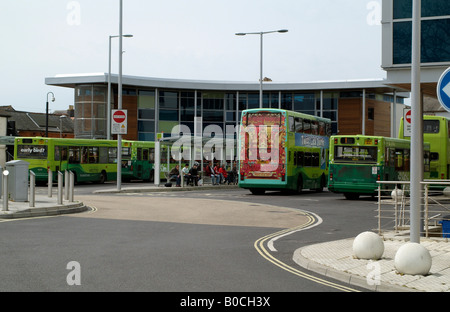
443, 89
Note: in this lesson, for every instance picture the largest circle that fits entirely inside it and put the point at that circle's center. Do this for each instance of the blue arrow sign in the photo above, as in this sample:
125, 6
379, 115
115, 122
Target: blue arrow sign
443, 89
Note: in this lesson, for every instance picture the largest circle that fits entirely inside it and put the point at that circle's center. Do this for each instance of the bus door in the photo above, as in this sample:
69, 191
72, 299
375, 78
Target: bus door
61, 158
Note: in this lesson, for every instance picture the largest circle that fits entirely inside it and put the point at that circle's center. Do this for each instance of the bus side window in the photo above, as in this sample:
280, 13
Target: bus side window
57, 156
398, 160
434, 156
314, 127
103, 155
291, 124
321, 128
406, 160
307, 160
139, 154
151, 155
306, 126
93, 155
426, 161
301, 158
298, 125
328, 129
74, 155
112, 155
84, 155
145, 154
315, 159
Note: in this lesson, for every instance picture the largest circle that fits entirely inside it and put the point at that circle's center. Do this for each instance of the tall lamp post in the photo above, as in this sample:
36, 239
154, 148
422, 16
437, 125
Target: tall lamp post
46, 113
108, 113
261, 58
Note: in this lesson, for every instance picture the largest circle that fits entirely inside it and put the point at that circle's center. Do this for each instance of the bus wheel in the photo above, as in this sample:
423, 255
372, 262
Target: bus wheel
103, 177
351, 196
257, 191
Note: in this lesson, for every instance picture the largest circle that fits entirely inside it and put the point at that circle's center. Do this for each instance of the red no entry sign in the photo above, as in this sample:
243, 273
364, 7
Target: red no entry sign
408, 116
119, 116
119, 121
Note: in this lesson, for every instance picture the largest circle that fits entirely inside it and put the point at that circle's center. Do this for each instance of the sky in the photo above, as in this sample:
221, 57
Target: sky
181, 39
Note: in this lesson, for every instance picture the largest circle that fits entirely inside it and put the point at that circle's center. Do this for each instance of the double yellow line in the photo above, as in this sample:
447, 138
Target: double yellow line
260, 247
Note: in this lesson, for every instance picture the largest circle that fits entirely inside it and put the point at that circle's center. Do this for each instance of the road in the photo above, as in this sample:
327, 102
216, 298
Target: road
209, 241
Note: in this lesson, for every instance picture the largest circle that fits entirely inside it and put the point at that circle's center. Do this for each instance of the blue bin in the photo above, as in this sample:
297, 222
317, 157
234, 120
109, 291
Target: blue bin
445, 226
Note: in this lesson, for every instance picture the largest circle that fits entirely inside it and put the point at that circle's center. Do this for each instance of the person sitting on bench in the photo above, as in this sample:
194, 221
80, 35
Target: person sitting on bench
193, 174
174, 174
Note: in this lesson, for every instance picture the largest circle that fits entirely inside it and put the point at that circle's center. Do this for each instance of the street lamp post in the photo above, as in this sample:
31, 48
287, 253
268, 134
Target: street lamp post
108, 113
261, 33
46, 113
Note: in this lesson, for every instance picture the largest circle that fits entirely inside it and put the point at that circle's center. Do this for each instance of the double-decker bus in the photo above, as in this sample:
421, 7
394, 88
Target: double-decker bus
89, 160
283, 150
357, 162
436, 131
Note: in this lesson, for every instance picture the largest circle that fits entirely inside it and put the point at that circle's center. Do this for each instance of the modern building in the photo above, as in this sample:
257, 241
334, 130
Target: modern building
397, 43
156, 105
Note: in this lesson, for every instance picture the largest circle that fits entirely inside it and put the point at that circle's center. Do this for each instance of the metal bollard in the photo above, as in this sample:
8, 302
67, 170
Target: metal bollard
72, 185
50, 182
5, 190
32, 199
60, 188
66, 185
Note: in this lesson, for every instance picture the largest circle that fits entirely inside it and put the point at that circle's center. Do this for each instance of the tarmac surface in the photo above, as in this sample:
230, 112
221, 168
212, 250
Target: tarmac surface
333, 259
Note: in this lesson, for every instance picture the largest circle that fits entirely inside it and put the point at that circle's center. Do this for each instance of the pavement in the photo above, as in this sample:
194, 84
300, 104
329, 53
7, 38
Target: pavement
333, 259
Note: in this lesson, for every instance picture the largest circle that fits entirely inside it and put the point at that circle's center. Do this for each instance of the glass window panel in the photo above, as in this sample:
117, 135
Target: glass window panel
402, 9
144, 136
146, 126
402, 36
435, 8
304, 102
253, 100
146, 99
435, 43
212, 115
187, 115
187, 103
167, 126
168, 99
168, 115
230, 101
146, 114
230, 116
286, 101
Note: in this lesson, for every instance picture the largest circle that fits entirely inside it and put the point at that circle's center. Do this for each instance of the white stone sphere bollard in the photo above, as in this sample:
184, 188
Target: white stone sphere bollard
368, 245
413, 259
447, 191
396, 194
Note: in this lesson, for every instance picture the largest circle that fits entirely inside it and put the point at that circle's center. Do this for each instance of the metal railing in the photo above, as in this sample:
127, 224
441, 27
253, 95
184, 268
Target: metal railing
393, 207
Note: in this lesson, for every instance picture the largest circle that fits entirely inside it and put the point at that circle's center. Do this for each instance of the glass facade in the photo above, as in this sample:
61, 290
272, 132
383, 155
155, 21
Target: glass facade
90, 111
160, 110
435, 27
